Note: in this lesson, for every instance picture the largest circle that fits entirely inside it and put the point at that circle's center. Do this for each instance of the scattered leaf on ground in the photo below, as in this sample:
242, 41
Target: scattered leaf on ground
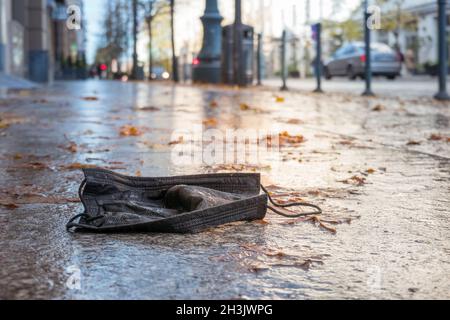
10, 206
90, 98
244, 107
436, 137
378, 108
279, 99
262, 222
370, 171
413, 143
294, 121
286, 138
128, 130
78, 166
178, 141
149, 109
213, 104
211, 122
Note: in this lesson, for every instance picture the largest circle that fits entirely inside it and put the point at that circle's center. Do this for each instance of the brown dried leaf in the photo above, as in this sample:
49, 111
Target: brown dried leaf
90, 98
413, 143
128, 130
9, 206
211, 122
378, 108
149, 109
78, 166
178, 141
436, 137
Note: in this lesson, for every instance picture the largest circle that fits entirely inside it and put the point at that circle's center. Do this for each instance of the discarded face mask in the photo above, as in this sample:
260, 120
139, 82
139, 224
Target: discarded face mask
184, 204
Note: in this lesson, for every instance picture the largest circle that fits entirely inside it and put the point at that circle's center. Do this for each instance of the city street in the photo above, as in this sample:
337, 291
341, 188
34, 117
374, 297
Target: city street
404, 87
378, 167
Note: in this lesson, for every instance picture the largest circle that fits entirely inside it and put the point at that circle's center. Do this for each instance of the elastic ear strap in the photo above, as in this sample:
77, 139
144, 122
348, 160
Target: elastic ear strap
80, 193
292, 204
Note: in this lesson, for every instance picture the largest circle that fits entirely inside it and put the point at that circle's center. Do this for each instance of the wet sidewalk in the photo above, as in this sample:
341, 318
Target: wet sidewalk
380, 169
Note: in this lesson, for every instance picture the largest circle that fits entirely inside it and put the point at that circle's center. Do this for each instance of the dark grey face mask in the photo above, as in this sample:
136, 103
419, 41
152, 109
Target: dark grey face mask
185, 204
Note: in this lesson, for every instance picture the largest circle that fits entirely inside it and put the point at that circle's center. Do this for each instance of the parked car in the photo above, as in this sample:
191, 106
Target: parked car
350, 61
159, 73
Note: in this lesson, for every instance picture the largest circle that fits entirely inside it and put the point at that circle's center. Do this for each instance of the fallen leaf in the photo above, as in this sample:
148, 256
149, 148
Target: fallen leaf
90, 98
78, 166
178, 141
72, 147
262, 222
370, 171
211, 122
257, 269
359, 180
34, 166
378, 108
435, 137
346, 142
138, 173
413, 143
294, 121
213, 104
285, 137
279, 99
10, 206
149, 108
129, 130
244, 107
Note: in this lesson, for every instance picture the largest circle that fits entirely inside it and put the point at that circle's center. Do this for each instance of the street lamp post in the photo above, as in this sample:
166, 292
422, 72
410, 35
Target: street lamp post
368, 67
318, 62
283, 62
207, 66
259, 61
442, 24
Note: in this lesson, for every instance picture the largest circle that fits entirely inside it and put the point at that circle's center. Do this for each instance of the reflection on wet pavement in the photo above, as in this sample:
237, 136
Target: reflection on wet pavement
380, 168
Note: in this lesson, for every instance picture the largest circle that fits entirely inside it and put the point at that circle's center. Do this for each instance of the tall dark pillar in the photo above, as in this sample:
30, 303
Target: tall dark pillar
443, 65
368, 70
208, 67
38, 37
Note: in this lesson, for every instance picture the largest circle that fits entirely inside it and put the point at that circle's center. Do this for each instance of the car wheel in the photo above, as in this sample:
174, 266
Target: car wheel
327, 74
391, 76
351, 73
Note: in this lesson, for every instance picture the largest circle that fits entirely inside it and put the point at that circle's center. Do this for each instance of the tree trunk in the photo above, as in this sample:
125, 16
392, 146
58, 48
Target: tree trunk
135, 31
172, 30
150, 48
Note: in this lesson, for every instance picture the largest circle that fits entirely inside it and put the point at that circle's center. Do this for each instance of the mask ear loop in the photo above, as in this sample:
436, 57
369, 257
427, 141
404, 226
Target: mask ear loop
292, 204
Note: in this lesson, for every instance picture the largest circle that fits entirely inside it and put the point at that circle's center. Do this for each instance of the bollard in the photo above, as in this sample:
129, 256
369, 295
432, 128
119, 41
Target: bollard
442, 24
283, 62
318, 62
259, 60
368, 68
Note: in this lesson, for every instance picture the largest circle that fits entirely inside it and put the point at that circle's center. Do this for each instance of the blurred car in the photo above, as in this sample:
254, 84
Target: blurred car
350, 61
159, 73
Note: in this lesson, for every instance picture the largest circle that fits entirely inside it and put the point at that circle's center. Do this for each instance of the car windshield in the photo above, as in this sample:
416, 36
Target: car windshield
377, 47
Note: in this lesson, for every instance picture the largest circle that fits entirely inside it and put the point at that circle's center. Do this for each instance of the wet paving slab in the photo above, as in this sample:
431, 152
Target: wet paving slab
379, 168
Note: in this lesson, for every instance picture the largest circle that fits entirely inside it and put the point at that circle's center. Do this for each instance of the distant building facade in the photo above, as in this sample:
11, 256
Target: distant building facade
34, 38
419, 42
